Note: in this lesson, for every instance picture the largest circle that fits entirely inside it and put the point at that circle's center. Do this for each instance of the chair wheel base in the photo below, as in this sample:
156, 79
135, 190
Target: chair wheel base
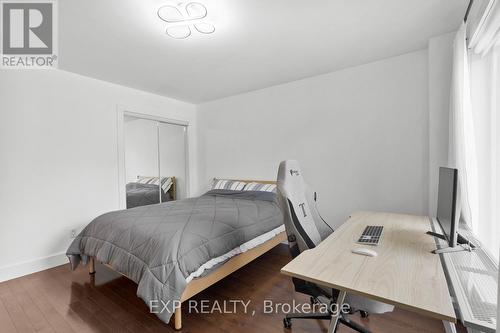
287, 322
364, 314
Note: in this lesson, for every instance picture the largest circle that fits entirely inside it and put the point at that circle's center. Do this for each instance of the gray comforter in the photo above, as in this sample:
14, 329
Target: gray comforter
158, 246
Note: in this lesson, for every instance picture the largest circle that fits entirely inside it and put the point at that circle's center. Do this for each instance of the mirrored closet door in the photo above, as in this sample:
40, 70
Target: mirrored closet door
155, 161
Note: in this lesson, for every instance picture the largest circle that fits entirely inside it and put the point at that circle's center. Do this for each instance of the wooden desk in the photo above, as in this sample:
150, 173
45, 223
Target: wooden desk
404, 273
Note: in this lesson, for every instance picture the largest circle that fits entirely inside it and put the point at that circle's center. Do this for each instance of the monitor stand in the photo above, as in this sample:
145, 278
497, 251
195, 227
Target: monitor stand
461, 240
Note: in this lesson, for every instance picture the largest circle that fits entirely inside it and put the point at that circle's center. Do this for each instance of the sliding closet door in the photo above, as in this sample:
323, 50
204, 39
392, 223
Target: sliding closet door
155, 161
172, 151
141, 161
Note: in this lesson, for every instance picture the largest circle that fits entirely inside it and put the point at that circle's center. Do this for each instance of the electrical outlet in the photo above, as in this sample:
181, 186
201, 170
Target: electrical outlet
72, 233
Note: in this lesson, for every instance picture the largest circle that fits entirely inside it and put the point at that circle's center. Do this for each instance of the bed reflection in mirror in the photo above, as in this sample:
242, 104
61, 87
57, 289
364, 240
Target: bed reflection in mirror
155, 161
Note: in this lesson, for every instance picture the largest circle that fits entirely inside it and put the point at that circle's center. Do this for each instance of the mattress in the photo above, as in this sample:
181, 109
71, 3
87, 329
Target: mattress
209, 265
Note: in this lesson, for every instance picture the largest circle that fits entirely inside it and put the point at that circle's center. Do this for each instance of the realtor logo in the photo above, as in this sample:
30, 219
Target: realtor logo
28, 34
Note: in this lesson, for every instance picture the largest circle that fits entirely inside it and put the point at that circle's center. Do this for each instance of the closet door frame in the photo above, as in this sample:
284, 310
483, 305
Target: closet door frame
121, 113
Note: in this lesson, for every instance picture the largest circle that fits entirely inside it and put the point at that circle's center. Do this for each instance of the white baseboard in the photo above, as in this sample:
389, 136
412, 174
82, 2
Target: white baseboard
32, 266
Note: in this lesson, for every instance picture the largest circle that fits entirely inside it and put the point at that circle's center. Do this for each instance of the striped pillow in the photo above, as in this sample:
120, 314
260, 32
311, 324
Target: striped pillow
166, 182
227, 184
260, 187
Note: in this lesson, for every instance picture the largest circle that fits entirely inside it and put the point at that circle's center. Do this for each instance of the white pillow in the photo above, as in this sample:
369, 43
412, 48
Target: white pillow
166, 182
227, 184
253, 186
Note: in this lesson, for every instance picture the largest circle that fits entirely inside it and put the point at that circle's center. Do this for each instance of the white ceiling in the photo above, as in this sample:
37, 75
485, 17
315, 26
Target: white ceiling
257, 43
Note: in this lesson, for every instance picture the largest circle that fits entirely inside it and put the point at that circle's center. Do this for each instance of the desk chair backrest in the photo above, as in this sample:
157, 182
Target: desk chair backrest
299, 208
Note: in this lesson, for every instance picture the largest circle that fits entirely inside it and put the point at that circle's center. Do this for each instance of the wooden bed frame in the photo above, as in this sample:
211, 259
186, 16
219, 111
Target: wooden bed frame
198, 285
173, 189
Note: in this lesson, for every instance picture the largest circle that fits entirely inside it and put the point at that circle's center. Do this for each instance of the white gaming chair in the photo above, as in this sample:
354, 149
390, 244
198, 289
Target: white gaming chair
305, 229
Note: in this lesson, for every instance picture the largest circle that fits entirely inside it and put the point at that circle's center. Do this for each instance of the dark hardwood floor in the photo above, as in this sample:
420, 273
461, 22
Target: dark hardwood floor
59, 300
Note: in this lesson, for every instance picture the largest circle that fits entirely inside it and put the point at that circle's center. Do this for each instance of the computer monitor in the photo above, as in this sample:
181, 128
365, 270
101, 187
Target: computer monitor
448, 207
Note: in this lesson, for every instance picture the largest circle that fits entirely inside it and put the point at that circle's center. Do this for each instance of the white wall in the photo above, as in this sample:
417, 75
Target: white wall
59, 160
440, 66
360, 134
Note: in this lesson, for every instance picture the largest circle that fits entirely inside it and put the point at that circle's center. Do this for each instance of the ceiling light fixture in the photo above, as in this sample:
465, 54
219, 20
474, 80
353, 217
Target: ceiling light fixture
181, 18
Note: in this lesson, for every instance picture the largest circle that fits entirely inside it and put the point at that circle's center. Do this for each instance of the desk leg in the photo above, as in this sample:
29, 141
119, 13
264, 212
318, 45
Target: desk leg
335, 317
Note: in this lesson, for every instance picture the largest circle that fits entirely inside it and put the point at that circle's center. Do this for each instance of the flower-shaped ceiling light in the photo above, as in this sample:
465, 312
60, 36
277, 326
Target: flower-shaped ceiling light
183, 17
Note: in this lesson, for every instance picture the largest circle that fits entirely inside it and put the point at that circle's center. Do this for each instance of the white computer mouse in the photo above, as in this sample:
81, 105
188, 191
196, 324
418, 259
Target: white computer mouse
365, 252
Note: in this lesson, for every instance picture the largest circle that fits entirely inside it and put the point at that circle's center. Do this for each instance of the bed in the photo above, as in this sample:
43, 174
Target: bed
176, 249
146, 191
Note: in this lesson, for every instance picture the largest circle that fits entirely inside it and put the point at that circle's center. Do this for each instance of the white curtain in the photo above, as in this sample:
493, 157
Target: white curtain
462, 150
487, 32
475, 126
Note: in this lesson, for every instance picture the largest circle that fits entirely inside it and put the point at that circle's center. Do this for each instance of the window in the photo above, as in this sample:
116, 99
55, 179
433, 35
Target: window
485, 100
